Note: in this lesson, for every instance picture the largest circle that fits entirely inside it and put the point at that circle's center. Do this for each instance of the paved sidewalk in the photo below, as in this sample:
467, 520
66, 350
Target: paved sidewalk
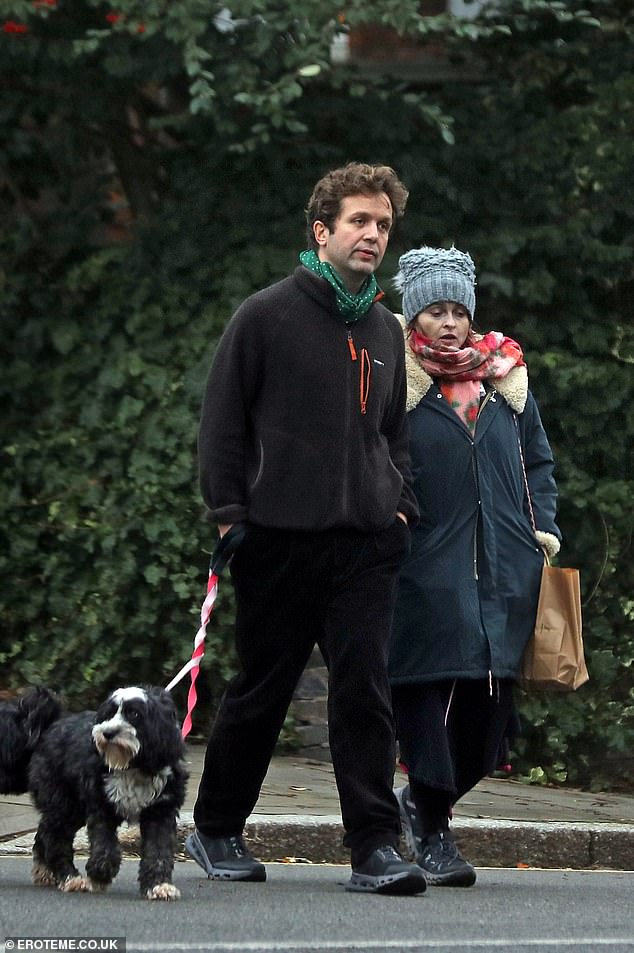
501, 823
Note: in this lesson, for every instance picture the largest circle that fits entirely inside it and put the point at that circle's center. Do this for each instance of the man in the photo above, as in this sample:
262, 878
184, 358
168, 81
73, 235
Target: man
303, 448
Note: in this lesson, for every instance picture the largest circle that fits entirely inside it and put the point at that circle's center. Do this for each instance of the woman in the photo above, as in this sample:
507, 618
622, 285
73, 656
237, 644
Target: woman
468, 591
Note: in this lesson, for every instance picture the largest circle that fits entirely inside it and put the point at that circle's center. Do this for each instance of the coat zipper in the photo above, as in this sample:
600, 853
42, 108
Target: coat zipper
490, 395
344, 482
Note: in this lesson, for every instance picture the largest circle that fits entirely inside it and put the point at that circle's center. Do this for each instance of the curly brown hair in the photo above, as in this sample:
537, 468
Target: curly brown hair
352, 179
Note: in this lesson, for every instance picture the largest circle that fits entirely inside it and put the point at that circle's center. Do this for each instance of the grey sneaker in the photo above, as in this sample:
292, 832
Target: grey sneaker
410, 825
224, 858
442, 864
385, 871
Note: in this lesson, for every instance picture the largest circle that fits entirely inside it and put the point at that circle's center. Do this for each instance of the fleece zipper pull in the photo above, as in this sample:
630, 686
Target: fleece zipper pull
351, 347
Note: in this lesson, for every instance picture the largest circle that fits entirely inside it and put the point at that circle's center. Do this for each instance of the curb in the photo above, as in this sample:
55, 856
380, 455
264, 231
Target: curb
486, 843
317, 839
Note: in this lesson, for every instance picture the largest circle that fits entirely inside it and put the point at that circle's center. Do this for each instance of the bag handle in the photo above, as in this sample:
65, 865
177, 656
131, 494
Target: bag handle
528, 492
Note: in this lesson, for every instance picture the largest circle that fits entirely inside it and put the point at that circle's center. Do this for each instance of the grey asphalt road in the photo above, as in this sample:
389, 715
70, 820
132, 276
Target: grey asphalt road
305, 908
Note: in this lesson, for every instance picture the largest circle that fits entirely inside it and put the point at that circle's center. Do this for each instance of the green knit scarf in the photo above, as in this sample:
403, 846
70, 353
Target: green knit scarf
350, 306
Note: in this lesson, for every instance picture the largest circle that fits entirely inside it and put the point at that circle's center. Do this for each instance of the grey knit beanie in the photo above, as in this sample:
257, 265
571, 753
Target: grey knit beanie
429, 274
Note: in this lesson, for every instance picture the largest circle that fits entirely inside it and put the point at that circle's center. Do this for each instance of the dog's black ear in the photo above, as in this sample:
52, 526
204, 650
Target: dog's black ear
163, 700
163, 744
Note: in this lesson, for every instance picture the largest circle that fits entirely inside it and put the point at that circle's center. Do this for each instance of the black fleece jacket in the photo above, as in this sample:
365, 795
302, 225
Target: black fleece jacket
303, 422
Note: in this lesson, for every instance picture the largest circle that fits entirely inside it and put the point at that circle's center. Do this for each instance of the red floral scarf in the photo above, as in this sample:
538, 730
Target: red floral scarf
461, 370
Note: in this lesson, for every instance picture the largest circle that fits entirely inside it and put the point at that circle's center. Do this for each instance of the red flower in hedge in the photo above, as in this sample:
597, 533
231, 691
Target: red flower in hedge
10, 26
113, 17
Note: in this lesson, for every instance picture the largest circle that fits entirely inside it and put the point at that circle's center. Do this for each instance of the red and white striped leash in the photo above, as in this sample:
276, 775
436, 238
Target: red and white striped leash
219, 559
193, 665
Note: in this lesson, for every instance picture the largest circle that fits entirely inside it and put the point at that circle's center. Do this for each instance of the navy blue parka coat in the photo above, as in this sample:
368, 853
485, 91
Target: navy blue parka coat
468, 591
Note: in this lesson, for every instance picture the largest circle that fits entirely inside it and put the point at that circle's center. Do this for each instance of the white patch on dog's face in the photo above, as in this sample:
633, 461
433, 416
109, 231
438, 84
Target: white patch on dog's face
115, 737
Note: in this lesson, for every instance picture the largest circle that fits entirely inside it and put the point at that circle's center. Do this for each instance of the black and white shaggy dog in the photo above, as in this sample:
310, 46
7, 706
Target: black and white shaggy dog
123, 763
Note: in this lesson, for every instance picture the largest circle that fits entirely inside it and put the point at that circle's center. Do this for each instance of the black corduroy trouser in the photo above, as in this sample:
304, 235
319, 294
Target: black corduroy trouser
335, 588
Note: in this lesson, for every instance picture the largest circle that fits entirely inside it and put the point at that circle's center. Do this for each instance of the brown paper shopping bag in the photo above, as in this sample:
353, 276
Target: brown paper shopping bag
554, 659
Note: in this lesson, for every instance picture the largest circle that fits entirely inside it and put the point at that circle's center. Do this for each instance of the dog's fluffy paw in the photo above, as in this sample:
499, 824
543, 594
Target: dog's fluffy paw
163, 891
75, 884
78, 884
42, 876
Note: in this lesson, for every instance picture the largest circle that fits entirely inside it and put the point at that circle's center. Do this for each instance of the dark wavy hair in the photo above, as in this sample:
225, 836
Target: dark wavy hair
352, 179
